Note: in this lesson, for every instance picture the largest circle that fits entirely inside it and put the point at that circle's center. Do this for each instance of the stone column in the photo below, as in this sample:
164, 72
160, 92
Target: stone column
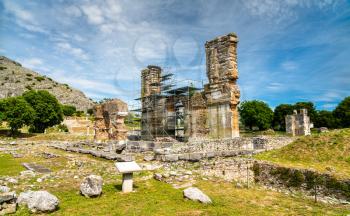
222, 92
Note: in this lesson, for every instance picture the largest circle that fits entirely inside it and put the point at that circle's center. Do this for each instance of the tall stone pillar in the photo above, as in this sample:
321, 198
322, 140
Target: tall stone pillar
222, 92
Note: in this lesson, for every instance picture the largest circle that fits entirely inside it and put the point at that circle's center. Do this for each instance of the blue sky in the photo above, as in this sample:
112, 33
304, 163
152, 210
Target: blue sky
288, 51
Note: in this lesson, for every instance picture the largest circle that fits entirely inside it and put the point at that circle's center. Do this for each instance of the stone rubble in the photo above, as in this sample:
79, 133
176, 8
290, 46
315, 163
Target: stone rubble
38, 201
195, 194
91, 186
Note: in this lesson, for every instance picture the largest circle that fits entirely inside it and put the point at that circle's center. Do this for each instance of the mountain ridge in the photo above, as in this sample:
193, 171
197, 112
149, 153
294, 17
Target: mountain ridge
16, 79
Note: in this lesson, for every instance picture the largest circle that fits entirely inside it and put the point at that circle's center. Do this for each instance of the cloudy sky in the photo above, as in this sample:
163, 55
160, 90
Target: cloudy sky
288, 51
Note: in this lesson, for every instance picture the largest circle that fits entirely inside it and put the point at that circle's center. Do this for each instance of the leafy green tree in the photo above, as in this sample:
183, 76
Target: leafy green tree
342, 112
90, 111
256, 113
17, 112
2, 110
279, 122
311, 110
47, 108
68, 110
326, 119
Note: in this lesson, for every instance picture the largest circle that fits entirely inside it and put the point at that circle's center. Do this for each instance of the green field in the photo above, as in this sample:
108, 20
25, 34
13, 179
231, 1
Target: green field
326, 152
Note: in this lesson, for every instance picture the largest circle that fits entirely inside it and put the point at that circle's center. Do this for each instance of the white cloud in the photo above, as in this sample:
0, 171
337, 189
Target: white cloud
330, 96
93, 13
24, 18
73, 11
77, 52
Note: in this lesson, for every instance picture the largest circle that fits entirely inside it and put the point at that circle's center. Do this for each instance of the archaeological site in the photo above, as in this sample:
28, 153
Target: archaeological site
157, 108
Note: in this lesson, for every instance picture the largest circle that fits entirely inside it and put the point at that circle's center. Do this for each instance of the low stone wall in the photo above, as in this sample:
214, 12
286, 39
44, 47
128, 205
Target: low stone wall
229, 169
197, 150
308, 181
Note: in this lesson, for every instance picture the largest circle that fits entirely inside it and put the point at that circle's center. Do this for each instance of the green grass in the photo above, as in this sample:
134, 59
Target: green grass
158, 198
326, 152
9, 165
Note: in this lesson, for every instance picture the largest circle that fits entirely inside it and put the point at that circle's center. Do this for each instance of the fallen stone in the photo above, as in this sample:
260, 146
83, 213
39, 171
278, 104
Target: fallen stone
195, 157
148, 158
157, 176
8, 208
36, 168
7, 196
4, 189
38, 201
48, 155
195, 194
27, 173
171, 158
12, 180
91, 186
124, 158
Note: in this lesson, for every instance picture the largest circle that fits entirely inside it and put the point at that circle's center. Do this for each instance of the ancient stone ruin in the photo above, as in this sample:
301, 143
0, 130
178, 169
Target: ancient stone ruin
298, 124
222, 92
185, 113
109, 120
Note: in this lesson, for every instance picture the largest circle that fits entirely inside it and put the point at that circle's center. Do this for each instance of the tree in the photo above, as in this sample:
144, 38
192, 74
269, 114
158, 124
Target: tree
311, 110
342, 112
2, 110
90, 111
256, 113
68, 110
326, 119
47, 108
279, 115
17, 112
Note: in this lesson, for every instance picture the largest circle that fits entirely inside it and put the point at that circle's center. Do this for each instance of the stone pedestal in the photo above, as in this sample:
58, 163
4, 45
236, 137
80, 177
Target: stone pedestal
127, 183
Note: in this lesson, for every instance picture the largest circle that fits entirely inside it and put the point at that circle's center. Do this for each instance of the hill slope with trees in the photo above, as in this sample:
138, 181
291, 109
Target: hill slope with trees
15, 80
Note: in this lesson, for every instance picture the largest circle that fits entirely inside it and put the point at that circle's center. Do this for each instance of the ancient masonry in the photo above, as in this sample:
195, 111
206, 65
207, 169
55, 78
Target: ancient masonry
185, 113
109, 120
298, 124
222, 92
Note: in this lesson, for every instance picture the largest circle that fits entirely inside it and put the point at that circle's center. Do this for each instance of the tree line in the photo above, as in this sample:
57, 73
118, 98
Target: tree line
258, 114
36, 109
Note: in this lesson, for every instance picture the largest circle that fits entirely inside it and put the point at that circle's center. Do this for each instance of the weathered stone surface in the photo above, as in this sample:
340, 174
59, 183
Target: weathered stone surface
298, 124
109, 120
125, 158
195, 194
148, 158
157, 176
7, 196
4, 189
36, 167
195, 156
38, 201
27, 173
91, 186
222, 92
8, 208
171, 158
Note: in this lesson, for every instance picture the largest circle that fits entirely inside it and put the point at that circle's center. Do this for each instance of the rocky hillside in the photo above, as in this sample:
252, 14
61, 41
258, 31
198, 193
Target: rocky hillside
15, 79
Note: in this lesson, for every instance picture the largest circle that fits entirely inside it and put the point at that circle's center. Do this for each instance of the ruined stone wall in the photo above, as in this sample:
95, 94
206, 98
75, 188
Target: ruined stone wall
298, 124
109, 120
222, 92
198, 121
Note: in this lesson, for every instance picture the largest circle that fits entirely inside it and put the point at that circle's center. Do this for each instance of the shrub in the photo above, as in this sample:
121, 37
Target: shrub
68, 110
3, 68
40, 78
63, 128
7, 78
29, 79
342, 112
29, 74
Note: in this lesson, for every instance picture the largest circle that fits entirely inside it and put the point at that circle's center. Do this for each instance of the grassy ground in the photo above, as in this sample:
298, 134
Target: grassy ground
326, 152
151, 197
157, 198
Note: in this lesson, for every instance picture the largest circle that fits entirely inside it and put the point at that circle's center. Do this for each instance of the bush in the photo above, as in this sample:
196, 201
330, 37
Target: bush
29, 74
68, 110
39, 78
326, 118
48, 110
62, 127
90, 111
256, 113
